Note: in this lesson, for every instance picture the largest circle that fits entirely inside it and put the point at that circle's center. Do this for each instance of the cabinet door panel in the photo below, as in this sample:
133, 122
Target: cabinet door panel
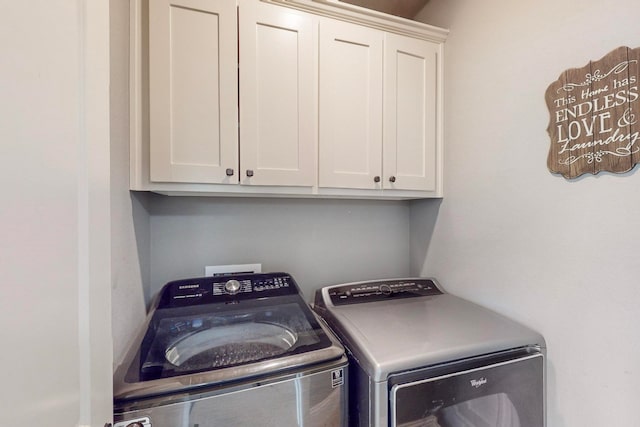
193, 90
277, 97
410, 127
350, 141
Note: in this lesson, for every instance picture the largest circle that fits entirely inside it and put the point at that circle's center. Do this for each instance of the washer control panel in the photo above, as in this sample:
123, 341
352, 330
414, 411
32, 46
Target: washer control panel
256, 283
205, 290
379, 290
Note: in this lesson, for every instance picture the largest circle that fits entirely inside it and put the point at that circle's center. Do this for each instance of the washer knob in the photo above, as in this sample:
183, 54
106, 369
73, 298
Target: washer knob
232, 287
385, 289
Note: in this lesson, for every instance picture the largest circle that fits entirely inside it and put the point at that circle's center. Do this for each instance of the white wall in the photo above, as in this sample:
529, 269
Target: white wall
54, 214
319, 242
559, 255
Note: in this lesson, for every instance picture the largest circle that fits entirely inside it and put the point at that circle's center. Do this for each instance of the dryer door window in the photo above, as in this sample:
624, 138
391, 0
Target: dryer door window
500, 393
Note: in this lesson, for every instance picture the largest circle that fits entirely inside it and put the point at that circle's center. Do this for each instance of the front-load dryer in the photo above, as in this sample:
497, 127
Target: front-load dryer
424, 358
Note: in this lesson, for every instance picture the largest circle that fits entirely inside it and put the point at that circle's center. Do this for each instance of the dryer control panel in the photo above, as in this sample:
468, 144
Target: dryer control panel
379, 290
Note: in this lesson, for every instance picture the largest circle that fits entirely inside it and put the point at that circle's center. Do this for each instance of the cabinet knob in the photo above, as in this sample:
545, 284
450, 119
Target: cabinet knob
249, 173
376, 179
392, 178
229, 172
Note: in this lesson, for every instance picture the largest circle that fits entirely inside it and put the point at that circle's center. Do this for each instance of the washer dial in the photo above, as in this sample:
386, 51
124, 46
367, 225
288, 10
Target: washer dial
232, 287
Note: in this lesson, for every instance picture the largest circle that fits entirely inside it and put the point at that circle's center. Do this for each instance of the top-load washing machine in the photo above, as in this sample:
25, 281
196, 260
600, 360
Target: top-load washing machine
421, 357
239, 350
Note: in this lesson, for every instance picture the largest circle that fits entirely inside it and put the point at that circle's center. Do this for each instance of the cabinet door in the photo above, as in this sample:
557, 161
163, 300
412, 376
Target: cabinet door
410, 113
350, 128
277, 96
193, 88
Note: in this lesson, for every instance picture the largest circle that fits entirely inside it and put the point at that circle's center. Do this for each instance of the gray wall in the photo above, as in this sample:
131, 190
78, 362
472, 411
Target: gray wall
130, 223
560, 256
318, 241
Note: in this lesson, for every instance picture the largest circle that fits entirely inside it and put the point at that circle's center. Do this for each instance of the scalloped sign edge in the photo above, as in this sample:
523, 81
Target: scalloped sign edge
593, 116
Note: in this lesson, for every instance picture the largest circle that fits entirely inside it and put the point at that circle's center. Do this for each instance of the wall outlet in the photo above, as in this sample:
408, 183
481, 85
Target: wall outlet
218, 270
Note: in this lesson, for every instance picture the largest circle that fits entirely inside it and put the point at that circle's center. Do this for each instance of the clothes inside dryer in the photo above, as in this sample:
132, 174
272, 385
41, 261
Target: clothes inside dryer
493, 410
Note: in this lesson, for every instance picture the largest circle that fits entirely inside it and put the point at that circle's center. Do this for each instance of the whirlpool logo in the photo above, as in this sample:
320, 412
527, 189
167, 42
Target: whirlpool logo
479, 382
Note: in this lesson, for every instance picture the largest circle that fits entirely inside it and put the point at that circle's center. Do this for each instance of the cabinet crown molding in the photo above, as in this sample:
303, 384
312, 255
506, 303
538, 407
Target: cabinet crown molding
336, 9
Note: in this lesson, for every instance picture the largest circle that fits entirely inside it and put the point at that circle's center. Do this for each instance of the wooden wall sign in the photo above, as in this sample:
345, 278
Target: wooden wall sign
593, 121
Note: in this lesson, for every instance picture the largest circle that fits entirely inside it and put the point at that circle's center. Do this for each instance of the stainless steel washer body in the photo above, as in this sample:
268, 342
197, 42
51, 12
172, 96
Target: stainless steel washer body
232, 351
422, 357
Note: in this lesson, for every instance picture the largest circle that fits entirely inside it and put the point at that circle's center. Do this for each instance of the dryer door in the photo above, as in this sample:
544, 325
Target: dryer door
503, 390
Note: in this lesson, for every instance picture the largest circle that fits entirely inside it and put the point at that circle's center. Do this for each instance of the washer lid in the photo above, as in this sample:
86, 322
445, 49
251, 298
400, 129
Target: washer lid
396, 335
196, 336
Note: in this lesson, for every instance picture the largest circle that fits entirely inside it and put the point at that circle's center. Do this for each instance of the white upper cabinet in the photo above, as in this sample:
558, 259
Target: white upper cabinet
284, 97
193, 81
365, 143
410, 114
195, 92
277, 96
350, 140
